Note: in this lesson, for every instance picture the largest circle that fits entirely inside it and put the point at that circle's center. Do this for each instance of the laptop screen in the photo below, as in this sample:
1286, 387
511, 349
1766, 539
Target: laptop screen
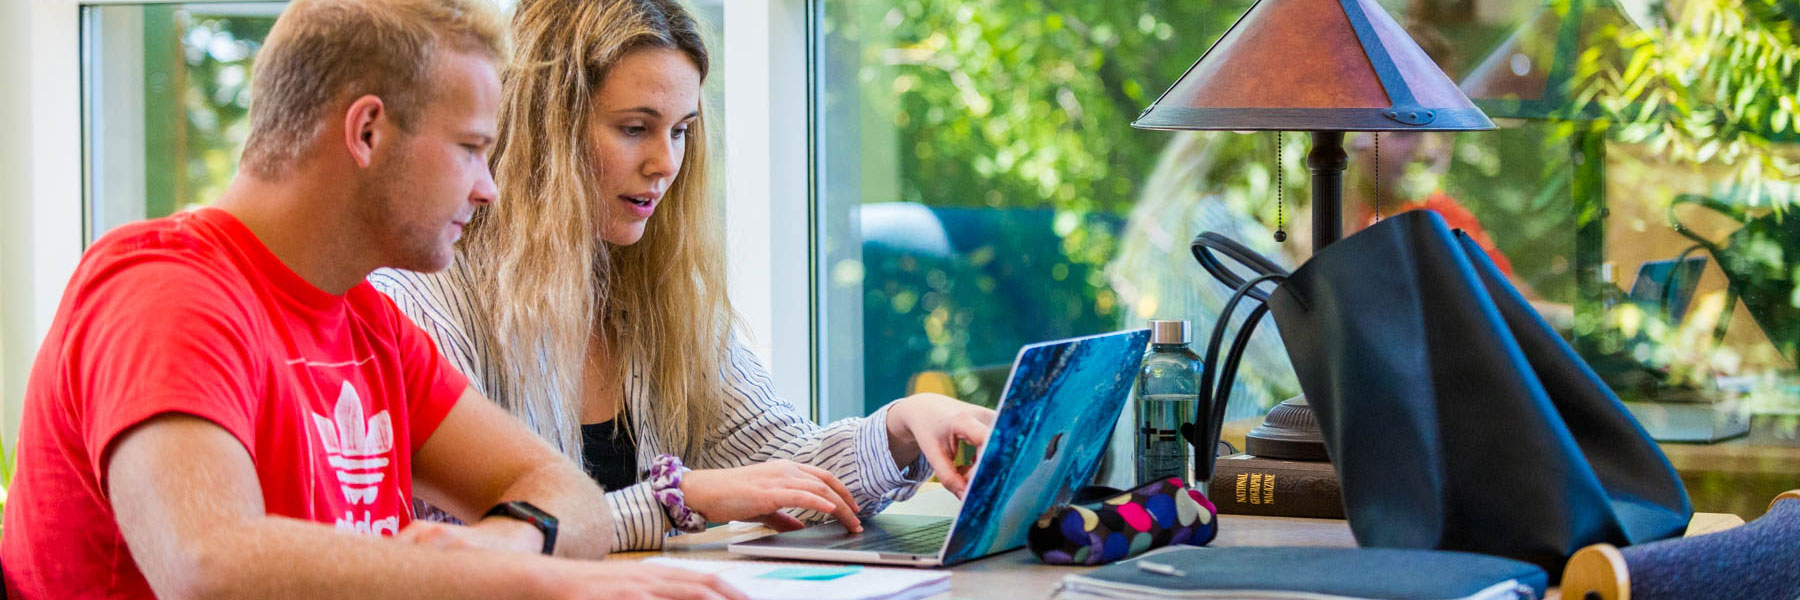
1055, 415
1661, 280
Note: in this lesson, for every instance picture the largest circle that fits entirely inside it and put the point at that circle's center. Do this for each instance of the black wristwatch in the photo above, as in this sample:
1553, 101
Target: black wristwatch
524, 511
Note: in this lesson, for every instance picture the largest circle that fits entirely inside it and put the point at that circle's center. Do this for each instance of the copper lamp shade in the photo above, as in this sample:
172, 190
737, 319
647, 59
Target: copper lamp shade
1323, 66
1315, 65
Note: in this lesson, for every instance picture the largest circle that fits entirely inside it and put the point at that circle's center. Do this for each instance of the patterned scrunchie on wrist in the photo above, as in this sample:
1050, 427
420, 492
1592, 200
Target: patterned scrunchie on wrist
665, 483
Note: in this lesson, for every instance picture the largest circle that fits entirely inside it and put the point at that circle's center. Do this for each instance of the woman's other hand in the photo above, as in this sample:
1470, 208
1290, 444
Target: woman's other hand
758, 493
932, 424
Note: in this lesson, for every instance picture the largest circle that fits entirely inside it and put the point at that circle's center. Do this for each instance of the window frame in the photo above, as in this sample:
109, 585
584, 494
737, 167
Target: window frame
769, 267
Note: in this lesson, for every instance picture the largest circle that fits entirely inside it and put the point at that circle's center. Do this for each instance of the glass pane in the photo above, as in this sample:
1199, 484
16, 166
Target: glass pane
166, 103
981, 189
166, 98
711, 16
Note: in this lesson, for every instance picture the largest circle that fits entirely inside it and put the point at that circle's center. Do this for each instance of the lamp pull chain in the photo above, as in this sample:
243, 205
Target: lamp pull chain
1377, 177
1280, 210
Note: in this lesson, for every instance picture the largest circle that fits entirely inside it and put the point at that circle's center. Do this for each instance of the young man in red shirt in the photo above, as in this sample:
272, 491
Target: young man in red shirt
224, 408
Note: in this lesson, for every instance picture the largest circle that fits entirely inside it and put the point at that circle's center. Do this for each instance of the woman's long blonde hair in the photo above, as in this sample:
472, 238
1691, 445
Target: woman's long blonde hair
544, 276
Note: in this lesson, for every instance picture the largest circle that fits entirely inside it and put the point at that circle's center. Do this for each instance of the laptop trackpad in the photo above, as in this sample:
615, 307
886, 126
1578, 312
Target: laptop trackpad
833, 534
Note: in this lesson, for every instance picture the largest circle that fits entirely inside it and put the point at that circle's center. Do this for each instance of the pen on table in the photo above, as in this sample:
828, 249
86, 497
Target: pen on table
1159, 568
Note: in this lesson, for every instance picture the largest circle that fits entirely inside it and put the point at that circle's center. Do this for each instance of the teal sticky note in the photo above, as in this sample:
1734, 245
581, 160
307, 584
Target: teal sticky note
811, 573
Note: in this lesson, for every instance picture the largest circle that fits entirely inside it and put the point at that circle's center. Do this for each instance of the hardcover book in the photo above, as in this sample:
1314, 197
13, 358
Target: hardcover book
1252, 485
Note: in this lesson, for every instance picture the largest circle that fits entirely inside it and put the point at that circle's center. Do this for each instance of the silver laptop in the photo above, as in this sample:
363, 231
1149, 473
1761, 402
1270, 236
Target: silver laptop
1055, 413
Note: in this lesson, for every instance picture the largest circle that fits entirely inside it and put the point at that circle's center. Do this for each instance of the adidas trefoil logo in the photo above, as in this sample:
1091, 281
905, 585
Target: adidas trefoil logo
356, 449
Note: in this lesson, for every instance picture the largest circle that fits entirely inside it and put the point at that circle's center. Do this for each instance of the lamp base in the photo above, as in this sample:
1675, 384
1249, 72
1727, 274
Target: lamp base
1290, 432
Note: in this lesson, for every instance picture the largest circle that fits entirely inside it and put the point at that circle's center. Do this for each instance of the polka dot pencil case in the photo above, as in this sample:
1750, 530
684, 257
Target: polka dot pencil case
1103, 525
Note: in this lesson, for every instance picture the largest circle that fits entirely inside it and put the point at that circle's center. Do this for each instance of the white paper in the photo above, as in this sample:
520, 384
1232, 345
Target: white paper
871, 583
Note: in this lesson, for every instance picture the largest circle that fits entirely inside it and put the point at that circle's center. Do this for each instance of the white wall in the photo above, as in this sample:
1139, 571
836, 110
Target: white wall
42, 198
15, 215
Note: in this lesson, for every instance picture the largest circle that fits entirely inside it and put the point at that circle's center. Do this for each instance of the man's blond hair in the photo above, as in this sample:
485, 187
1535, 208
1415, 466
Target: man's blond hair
323, 53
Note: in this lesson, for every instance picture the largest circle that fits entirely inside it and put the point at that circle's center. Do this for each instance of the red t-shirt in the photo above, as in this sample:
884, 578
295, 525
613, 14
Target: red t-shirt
1457, 217
330, 395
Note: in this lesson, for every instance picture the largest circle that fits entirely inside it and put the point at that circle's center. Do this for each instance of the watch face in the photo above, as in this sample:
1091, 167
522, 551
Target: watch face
533, 513
524, 511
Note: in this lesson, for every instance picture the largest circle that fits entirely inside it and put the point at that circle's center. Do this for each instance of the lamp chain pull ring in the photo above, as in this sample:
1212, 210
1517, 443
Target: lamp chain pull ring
1280, 210
1377, 177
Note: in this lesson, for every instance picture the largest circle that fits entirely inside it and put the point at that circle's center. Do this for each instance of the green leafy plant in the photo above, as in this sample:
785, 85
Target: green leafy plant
1715, 84
6, 473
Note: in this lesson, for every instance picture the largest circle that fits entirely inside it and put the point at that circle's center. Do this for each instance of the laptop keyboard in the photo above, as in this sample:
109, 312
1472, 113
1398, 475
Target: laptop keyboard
924, 540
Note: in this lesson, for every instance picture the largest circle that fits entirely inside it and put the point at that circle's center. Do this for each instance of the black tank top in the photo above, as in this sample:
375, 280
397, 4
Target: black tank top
611, 459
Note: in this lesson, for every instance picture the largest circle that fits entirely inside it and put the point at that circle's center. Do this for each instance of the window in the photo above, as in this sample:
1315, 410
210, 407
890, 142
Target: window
167, 96
979, 188
166, 106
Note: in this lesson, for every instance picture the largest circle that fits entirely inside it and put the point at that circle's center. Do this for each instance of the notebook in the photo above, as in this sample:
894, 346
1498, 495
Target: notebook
763, 580
1309, 573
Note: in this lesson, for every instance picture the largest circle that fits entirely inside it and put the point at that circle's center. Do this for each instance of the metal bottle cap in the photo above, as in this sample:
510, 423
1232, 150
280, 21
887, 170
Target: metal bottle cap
1169, 332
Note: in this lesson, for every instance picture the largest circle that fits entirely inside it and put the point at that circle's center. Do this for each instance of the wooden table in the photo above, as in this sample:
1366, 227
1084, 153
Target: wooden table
1017, 574
1736, 476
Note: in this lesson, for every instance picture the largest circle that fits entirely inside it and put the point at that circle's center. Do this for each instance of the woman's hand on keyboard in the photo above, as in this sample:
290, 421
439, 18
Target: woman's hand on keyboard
759, 492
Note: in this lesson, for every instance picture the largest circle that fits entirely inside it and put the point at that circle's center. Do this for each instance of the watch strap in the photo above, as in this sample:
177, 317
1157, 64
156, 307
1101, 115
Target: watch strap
536, 517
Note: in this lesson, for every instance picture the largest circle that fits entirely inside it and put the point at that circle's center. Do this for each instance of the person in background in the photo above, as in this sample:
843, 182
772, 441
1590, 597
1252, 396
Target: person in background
1411, 166
591, 302
1394, 172
224, 408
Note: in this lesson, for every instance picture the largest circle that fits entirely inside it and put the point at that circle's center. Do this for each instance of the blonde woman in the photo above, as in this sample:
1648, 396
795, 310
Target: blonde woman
590, 299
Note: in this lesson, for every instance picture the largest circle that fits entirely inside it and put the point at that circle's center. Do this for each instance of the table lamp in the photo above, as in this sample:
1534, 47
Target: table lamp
1320, 66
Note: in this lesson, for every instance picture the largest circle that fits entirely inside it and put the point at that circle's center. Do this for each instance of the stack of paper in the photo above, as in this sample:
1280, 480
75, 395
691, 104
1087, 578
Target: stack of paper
762, 580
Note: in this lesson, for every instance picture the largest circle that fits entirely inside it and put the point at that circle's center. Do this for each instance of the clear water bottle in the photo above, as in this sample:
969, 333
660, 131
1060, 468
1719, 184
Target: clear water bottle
1168, 392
